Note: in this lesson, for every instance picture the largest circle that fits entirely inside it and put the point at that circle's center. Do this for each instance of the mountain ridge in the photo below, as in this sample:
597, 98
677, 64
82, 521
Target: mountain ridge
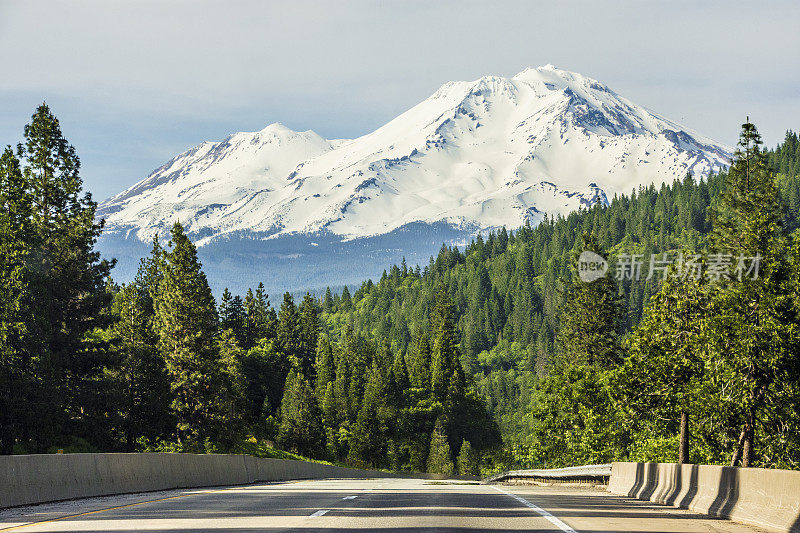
283, 183
475, 155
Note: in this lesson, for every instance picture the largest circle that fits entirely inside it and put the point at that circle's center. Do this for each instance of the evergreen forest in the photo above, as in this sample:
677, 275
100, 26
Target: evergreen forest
491, 356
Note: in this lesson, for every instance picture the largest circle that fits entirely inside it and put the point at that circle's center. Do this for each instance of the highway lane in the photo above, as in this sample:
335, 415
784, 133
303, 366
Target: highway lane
379, 505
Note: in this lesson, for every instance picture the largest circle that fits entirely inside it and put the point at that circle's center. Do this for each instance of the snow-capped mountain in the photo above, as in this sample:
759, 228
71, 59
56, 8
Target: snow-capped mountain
197, 186
474, 155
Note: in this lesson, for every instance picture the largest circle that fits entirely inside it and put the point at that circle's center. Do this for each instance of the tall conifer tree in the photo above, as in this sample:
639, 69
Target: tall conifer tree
440, 460
309, 327
186, 321
754, 319
591, 317
288, 330
301, 427
144, 393
67, 279
445, 357
368, 439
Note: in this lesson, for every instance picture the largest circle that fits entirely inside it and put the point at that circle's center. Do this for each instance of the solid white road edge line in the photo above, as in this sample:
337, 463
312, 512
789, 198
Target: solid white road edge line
550, 518
318, 513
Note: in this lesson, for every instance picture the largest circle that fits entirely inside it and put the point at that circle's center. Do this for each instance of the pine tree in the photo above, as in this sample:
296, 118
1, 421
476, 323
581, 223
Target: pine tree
288, 330
468, 460
230, 391
232, 316
144, 392
325, 367
67, 280
331, 421
260, 319
309, 334
753, 324
445, 357
748, 216
590, 319
151, 273
224, 311
238, 319
327, 302
344, 355
439, 459
421, 366
186, 321
346, 302
399, 373
368, 438
250, 314
359, 357
301, 429
397, 403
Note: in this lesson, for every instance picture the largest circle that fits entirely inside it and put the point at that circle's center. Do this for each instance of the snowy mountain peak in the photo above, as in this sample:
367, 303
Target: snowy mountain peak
558, 79
480, 154
278, 127
278, 131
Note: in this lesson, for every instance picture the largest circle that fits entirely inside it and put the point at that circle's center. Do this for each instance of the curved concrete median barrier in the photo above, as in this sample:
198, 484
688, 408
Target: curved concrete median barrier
756, 496
28, 479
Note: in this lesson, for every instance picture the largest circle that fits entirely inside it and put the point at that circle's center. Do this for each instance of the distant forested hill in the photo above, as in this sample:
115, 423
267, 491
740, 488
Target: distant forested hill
508, 288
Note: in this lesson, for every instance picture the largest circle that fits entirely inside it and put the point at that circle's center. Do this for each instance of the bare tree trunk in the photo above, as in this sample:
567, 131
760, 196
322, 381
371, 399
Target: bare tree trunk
747, 445
737, 452
683, 445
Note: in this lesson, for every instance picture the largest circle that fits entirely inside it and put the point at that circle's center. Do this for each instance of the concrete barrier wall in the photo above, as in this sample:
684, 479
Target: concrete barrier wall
757, 496
28, 479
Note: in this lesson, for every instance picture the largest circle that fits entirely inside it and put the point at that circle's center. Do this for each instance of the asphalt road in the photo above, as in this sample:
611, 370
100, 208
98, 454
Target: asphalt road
370, 505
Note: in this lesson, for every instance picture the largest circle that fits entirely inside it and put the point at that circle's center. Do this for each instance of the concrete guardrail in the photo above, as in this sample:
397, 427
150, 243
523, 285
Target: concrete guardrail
586, 473
29, 479
757, 496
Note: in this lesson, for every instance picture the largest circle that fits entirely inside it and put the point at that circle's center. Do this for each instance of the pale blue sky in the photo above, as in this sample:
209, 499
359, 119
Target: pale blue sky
135, 82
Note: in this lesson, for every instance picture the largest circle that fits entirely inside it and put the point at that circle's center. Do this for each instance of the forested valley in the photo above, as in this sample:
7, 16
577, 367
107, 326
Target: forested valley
493, 355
